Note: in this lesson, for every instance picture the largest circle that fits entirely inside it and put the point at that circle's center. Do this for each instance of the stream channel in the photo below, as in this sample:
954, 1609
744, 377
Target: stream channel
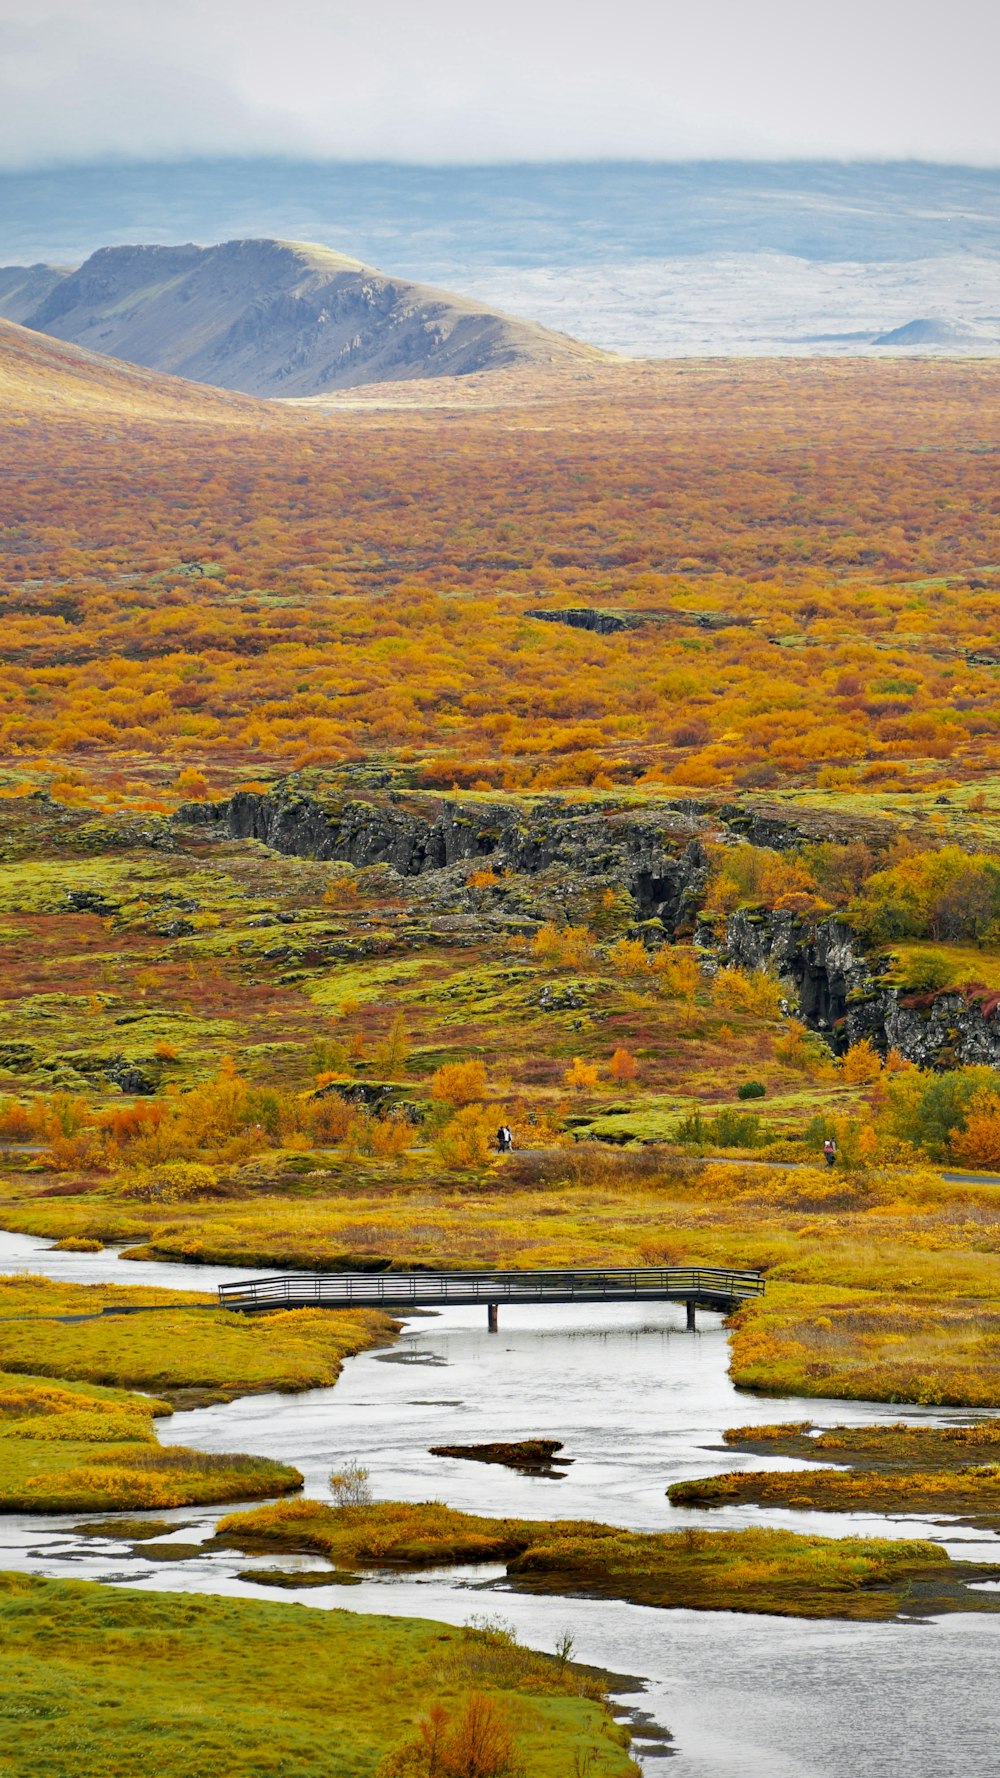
639, 1403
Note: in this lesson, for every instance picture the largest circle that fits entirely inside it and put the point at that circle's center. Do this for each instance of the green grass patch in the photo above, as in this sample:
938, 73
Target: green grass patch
188, 1354
109, 1681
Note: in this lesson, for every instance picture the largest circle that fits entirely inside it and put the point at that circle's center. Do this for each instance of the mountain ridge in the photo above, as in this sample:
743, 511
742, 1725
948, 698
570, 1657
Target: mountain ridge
273, 318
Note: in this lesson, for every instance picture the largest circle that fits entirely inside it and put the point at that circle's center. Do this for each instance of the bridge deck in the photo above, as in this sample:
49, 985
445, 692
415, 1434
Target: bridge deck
710, 1287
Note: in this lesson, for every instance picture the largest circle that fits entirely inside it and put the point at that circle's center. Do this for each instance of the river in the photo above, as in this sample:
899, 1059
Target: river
639, 1403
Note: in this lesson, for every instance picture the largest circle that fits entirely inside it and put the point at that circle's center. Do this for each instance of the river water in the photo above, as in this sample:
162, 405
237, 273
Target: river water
639, 1402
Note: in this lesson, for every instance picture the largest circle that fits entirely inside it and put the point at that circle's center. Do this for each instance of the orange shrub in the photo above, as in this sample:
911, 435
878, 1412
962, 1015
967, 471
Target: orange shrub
623, 1066
978, 1144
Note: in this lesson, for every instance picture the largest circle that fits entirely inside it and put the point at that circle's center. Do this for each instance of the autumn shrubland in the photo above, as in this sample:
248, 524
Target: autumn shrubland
216, 1050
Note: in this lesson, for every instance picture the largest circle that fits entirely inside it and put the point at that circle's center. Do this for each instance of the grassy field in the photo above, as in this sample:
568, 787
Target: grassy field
754, 1570
185, 1349
107, 1682
65, 1447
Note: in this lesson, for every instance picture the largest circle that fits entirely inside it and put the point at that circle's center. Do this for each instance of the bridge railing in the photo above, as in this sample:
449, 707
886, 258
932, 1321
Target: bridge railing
399, 1290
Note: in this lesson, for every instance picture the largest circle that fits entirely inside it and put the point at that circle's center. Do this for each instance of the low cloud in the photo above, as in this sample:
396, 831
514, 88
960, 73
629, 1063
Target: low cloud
556, 79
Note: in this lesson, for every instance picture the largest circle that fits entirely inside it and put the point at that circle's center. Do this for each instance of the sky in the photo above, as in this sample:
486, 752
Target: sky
447, 80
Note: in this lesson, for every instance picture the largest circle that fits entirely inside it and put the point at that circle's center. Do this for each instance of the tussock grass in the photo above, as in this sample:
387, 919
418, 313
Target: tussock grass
68, 1448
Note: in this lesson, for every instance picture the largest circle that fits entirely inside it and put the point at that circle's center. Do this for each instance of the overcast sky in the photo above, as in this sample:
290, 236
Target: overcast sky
430, 80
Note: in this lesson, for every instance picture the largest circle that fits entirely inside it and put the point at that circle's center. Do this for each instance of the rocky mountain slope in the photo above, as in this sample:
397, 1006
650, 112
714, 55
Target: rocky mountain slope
272, 318
23, 288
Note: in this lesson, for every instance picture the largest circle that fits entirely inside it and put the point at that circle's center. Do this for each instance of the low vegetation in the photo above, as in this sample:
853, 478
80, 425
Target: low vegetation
755, 1570
66, 1448
893, 1469
180, 1347
92, 1678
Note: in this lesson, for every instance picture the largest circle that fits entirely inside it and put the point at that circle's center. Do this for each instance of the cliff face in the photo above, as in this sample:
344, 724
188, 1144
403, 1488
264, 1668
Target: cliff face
648, 855
839, 993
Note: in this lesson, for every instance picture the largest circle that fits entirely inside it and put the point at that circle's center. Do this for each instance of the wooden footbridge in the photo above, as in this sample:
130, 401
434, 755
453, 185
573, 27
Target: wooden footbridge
702, 1287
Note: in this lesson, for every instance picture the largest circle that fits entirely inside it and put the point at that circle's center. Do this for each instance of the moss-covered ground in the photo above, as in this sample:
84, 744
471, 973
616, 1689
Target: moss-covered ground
109, 1681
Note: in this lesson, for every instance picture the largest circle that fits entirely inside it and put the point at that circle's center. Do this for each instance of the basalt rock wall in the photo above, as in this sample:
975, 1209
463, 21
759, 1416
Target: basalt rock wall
653, 857
838, 990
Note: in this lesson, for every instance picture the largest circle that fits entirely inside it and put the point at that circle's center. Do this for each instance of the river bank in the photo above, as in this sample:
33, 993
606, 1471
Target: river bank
638, 1403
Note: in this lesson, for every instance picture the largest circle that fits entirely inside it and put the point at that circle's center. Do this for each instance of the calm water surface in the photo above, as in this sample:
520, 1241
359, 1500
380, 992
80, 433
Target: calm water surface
639, 1402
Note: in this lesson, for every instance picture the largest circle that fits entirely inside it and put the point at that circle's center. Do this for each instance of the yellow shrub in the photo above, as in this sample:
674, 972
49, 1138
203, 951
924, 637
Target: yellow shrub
458, 1083
581, 1076
677, 970
629, 957
171, 1183
468, 1139
801, 1049
565, 947
862, 1063
756, 994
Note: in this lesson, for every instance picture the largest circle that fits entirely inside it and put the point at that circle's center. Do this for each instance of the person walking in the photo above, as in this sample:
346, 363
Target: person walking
505, 1139
830, 1151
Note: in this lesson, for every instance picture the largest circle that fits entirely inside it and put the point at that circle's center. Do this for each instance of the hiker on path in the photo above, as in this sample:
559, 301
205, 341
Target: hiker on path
830, 1151
505, 1139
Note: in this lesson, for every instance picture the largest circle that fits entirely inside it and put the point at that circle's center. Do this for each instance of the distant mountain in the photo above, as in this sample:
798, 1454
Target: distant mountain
40, 376
930, 331
441, 224
274, 318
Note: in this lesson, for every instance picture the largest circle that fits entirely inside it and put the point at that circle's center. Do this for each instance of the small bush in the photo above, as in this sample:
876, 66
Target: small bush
350, 1486
458, 1083
477, 1744
751, 1089
581, 1076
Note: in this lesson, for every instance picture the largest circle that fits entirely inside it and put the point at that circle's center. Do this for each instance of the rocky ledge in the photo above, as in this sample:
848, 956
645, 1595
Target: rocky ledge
652, 855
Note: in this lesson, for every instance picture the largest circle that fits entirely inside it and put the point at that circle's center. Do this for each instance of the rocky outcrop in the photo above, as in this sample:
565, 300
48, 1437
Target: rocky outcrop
839, 992
823, 960
943, 1030
652, 856
588, 617
607, 623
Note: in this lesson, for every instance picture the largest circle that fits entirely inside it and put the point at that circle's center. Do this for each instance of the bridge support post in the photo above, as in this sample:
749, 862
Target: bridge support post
690, 1307
493, 1317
